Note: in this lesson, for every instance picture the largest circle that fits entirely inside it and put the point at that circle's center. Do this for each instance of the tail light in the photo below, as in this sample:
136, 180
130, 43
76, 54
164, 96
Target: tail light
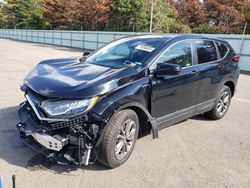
236, 58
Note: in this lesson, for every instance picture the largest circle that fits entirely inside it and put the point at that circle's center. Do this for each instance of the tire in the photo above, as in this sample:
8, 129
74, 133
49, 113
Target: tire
119, 138
222, 104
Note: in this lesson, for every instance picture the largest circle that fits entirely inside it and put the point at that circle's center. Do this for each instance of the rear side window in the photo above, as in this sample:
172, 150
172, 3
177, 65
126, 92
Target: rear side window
206, 51
222, 49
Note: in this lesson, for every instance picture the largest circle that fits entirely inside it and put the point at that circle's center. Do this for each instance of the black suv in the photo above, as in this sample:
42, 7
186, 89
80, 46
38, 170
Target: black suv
94, 108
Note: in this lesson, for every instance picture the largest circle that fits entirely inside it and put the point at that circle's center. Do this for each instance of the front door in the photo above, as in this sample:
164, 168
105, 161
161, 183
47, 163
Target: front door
173, 93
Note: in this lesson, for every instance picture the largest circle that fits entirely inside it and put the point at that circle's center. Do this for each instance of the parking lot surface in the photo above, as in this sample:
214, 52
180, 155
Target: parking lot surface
194, 153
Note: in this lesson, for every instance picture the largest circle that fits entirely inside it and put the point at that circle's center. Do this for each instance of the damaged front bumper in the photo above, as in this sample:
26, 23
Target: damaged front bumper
71, 141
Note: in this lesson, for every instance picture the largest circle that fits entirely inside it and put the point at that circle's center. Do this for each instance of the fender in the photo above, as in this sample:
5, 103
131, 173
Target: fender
150, 118
131, 105
133, 95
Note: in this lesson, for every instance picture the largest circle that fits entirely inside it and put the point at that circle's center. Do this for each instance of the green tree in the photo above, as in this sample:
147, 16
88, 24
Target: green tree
130, 15
29, 15
9, 13
22, 14
244, 8
247, 17
127, 14
205, 28
2, 18
164, 19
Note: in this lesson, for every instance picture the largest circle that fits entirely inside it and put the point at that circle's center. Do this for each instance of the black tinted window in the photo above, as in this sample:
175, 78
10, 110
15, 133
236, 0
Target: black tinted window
206, 51
180, 53
222, 49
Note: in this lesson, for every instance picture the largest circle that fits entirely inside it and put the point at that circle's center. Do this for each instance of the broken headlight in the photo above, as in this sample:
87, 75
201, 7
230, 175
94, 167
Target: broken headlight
68, 108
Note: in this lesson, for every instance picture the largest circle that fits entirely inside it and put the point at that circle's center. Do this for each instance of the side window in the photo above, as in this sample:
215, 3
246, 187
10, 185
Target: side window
222, 49
206, 51
180, 53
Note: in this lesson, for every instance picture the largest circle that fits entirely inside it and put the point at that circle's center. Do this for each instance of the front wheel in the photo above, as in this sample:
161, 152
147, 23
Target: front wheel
221, 104
119, 138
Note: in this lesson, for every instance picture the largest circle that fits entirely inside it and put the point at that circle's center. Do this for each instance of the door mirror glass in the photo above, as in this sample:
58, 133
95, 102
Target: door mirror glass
167, 69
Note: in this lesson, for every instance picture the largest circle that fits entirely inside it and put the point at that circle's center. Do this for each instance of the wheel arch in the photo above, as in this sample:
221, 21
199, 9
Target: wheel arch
144, 116
140, 110
145, 119
229, 81
231, 85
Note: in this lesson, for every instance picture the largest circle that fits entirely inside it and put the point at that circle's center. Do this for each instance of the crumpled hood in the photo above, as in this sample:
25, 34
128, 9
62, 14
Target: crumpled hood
69, 78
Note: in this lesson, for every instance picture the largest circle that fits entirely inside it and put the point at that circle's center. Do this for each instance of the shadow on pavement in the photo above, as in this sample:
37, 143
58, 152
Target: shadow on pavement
200, 118
15, 152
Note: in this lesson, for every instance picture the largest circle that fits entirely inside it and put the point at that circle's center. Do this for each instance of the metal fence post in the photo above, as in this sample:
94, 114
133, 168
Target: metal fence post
97, 42
61, 34
52, 31
71, 38
83, 40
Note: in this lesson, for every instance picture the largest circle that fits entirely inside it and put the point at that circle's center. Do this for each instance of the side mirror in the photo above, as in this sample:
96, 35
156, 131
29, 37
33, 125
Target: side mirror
86, 53
167, 69
84, 56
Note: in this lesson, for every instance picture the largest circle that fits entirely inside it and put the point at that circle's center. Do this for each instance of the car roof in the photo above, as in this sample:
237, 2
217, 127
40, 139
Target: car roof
175, 37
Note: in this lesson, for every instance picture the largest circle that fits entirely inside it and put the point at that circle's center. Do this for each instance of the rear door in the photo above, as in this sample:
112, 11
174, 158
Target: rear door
211, 69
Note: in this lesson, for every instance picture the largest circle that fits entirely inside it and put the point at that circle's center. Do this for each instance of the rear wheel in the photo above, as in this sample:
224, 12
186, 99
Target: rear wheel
119, 138
222, 103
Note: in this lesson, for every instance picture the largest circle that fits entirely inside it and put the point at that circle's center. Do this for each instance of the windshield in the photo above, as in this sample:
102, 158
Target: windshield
126, 52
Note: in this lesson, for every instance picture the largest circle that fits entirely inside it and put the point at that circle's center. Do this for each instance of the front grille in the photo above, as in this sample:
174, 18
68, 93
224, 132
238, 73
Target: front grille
64, 124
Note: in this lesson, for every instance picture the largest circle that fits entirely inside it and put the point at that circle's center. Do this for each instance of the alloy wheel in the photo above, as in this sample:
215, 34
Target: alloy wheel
223, 103
125, 139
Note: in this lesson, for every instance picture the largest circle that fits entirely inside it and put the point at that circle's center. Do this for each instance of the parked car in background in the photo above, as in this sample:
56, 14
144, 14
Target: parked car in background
94, 107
